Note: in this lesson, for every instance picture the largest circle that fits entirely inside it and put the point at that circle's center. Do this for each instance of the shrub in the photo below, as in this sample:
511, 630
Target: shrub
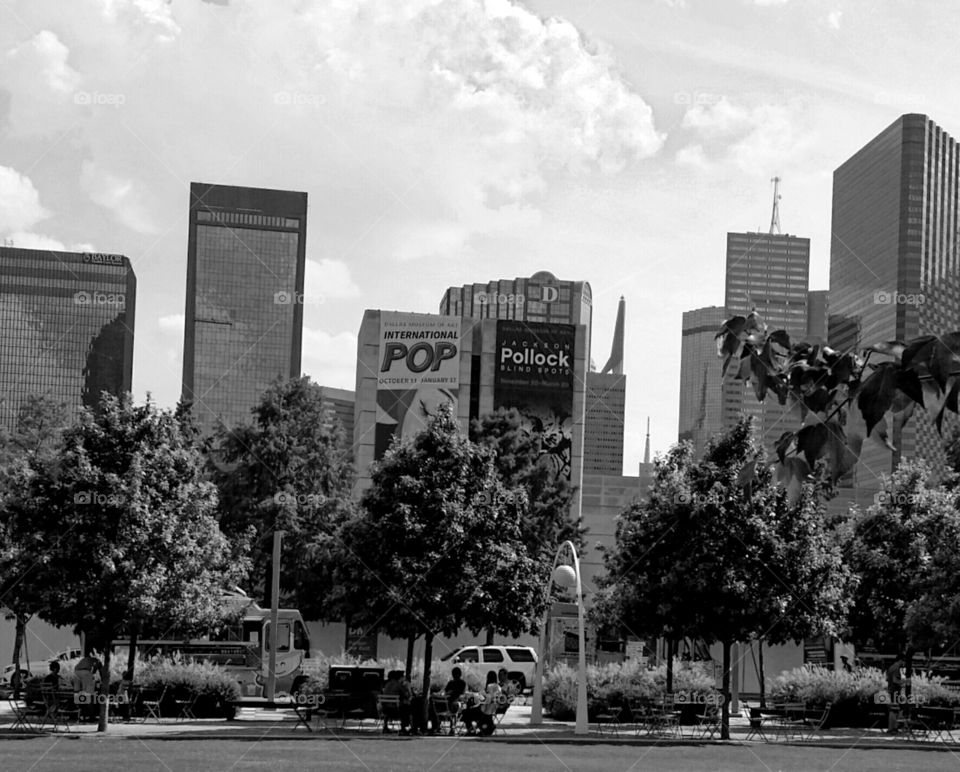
816, 685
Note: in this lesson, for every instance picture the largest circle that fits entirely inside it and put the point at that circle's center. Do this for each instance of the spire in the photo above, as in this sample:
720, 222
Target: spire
775, 217
646, 448
615, 362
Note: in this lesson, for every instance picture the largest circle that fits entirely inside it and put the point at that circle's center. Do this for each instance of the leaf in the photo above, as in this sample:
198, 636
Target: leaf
908, 382
842, 370
780, 338
783, 444
944, 360
819, 400
919, 349
759, 368
810, 442
877, 393
893, 348
950, 403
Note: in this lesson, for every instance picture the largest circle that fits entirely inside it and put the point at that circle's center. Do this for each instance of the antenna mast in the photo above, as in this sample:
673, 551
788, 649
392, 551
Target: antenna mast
775, 217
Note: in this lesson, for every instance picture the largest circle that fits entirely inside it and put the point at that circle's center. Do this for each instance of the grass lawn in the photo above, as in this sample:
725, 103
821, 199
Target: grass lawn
115, 754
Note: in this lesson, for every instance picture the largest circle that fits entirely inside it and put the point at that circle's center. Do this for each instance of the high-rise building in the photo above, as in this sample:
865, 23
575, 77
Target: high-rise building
894, 263
244, 311
606, 409
340, 405
701, 393
818, 307
67, 327
767, 273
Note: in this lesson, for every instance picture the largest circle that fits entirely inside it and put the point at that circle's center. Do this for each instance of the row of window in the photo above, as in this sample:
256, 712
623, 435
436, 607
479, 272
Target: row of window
252, 220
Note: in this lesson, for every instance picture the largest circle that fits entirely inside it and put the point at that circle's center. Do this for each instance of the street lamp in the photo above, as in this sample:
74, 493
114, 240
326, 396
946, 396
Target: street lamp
565, 576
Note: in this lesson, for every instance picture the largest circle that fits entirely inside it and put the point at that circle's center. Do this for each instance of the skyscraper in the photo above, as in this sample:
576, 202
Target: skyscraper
701, 393
894, 267
244, 309
67, 327
769, 273
606, 397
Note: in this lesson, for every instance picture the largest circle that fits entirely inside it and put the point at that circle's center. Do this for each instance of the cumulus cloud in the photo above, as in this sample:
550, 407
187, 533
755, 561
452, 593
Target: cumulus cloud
20, 206
330, 358
834, 19
120, 195
171, 323
329, 279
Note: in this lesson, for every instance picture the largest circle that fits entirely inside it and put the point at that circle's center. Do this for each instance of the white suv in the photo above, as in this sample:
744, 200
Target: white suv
519, 661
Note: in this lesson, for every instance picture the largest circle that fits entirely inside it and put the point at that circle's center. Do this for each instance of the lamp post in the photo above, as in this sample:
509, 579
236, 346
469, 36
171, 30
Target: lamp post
565, 576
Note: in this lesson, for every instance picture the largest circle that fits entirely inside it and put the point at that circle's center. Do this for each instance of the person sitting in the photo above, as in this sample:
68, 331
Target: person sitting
481, 716
398, 685
53, 679
455, 689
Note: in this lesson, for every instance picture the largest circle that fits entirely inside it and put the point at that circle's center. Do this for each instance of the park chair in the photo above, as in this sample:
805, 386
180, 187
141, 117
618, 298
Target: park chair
791, 718
388, 709
815, 718
186, 700
503, 705
640, 716
25, 719
708, 722
151, 701
754, 721
663, 717
609, 718
445, 712
67, 708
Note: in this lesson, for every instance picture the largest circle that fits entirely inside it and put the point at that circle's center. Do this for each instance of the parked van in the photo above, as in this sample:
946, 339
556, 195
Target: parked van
520, 661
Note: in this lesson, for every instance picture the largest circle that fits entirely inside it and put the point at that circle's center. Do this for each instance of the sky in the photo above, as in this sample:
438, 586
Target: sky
444, 142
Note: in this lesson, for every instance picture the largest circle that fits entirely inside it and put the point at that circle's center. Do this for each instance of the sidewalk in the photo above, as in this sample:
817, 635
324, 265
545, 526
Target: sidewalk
261, 724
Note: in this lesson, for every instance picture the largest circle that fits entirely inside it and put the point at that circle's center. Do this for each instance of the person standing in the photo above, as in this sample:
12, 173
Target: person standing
894, 685
86, 671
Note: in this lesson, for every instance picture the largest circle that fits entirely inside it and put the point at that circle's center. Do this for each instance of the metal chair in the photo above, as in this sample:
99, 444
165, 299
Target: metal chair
754, 721
151, 701
611, 718
708, 722
388, 709
186, 701
25, 719
815, 718
446, 712
503, 705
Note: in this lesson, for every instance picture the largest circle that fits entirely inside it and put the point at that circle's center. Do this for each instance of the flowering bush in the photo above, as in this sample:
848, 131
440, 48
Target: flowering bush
816, 685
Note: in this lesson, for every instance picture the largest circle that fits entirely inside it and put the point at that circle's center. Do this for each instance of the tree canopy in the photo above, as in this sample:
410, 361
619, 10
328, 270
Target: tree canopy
121, 528
290, 469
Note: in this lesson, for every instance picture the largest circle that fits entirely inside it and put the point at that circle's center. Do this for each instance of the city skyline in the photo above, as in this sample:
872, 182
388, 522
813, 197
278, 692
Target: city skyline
654, 132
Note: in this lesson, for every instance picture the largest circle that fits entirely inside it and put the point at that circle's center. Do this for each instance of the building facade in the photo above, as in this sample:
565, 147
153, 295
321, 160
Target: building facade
410, 364
244, 309
769, 273
894, 263
701, 387
67, 320
340, 405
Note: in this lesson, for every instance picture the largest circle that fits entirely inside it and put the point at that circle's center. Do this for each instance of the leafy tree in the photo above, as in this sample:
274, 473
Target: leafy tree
289, 470
36, 438
122, 528
718, 553
844, 397
430, 553
906, 549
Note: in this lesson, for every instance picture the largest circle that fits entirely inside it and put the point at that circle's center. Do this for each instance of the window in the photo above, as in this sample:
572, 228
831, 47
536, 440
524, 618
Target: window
491, 654
468, 655
520, 654
301, 640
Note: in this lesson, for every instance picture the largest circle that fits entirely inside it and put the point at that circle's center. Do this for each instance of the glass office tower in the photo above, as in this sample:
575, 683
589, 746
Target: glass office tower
894, 264
67, 327
244, 309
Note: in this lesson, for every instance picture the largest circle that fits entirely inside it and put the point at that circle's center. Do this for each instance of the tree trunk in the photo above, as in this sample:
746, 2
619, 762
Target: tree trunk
669, 665
17, 645
489, 640
725, 689
132, 656
105, 686
427, 657
409, 664
763, 680
267, 584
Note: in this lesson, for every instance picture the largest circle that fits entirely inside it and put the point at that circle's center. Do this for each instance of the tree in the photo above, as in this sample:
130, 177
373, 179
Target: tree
844, 398
906, 549
430, 553
289, 470
122, 528
37, 438
718, 553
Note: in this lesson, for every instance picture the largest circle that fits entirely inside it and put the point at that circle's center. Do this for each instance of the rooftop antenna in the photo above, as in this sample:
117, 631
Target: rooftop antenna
646, 449
775, 217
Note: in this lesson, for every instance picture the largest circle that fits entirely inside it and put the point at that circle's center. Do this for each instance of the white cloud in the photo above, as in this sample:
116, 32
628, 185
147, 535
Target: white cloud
120, 195
769, 2
172, 323
26, 240
834, 19
40, 82
330, 359
46, 56
155, 15
328, 279
692, 155
20, 206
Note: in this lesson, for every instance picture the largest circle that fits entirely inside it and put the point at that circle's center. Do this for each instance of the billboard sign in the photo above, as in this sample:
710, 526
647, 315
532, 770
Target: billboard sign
534, 374
418, 369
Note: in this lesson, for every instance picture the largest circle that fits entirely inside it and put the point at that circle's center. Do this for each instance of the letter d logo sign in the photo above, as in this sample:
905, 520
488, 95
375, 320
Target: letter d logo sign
549, 294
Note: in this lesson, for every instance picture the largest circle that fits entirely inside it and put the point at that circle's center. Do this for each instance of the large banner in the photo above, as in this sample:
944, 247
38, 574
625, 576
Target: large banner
418, 370
534, 374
